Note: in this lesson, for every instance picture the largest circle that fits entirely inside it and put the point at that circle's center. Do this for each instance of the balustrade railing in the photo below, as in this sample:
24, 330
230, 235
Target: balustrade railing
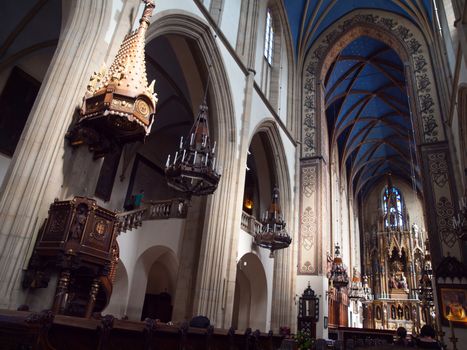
131, 219
173, 208
153, 210
250, 224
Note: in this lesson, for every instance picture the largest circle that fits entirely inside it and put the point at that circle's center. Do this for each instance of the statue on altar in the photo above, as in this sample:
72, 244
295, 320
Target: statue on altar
392, 282
398, 281
402, 283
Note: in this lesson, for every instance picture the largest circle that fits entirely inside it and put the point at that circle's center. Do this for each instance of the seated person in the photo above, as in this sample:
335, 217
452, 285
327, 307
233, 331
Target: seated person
427, 340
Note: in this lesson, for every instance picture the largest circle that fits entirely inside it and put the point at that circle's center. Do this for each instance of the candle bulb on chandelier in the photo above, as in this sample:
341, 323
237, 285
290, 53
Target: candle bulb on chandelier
214, 147
206, 160
191, 140
175, 158
183, 156
194, 158
168, 161
181, 142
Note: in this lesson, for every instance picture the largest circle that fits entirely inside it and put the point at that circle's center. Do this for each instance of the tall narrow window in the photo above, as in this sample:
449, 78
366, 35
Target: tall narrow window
269, 38
392, 207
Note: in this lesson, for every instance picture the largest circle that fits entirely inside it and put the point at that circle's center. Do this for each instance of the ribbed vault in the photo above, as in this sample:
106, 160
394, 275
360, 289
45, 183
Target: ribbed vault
309, 18
368, 114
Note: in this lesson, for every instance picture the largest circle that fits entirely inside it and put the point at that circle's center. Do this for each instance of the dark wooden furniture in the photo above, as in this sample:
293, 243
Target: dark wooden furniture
363, 338
24, 330
308, 312
78, 240
338, 304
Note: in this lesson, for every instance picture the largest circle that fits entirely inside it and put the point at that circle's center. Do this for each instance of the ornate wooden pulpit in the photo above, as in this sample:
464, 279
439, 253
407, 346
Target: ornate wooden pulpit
78, 239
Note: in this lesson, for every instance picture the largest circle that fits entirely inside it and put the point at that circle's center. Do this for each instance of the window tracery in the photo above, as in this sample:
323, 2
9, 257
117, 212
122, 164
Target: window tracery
393, 208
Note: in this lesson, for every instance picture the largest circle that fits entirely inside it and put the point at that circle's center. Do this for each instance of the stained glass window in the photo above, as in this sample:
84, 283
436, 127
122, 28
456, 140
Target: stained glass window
392, 207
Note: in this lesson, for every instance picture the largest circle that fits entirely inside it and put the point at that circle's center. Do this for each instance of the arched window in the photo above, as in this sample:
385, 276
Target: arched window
268, 54
392, 208
269, 38
271, 53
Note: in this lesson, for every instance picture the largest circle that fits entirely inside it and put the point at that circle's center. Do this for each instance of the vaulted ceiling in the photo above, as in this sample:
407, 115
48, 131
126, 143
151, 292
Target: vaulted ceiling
309, 18
368, 113
366, 97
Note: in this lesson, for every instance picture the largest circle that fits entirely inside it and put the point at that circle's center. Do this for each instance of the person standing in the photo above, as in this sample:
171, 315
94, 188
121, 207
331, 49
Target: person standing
138, 199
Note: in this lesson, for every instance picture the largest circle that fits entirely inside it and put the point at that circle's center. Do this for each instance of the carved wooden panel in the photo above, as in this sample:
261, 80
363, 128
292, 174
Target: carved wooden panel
58, 224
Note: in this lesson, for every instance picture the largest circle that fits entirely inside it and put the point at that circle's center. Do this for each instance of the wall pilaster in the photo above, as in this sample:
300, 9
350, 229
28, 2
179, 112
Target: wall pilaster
311, 253
440, 200
22, 205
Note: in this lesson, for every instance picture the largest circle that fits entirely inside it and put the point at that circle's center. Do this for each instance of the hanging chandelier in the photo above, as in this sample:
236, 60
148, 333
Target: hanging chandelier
273, 235
193, 167
338, 275
425, 286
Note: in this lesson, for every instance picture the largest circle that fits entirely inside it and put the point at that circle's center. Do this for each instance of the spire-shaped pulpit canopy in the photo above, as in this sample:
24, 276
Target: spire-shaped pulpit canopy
119, 105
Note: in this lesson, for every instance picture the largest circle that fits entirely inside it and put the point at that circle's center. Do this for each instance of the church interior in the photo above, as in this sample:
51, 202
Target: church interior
233, 174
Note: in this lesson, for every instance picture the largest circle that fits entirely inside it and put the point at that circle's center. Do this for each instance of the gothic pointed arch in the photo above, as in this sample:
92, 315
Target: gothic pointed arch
413, 48
278, 160
217, 229
397, 33
282, 278
251, 294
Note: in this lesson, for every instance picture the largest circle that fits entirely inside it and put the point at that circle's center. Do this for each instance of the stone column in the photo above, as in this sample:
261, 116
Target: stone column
217, 264
311, 251
186, 278
217, 269
216, 11
247, 31
282, 302
440, 202
22, 193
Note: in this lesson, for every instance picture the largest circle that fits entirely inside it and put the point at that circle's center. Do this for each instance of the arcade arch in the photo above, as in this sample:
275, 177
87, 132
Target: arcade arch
118, 300
412, 48
155, 272
250, 301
